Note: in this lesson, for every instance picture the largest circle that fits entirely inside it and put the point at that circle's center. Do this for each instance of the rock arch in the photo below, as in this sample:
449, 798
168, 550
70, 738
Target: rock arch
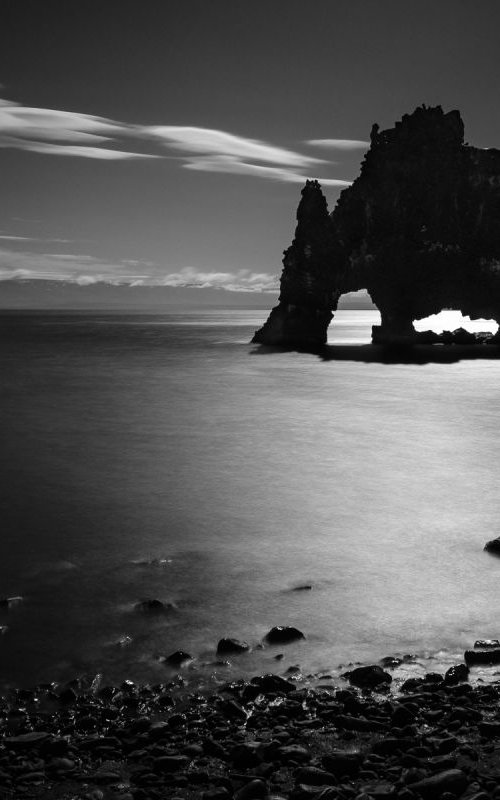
419, 229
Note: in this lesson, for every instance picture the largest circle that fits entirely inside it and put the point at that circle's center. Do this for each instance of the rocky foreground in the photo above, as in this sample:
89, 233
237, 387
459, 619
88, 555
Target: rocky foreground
437, 737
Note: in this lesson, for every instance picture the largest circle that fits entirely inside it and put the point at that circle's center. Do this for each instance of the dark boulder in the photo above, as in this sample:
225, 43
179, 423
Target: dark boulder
489, 656
456, 674
229, 646
368, 677
493, 546
10, 602
485, 643
150, 606
283, 634
273, 683
178, 659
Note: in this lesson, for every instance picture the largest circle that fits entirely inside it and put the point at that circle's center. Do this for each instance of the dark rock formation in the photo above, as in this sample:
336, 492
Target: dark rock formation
229, 646
178, 659
493, 546
370, 676
283, 634
489, 656
419, 229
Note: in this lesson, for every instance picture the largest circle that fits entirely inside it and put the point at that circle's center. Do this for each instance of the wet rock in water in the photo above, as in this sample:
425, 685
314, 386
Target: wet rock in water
451, 780
457, 674
368, 677
273, 683
493, 546
391, 662
178, 659
150, 606
489, 656
283, 634
123, 641
227, 646
10, 602
486, 643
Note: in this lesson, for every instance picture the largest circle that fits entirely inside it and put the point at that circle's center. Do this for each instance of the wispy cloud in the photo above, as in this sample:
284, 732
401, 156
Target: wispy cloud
214, 142
221, 163
68, 133
102, 153
83, 269
242, 280
12, 238
339, 144
54, 132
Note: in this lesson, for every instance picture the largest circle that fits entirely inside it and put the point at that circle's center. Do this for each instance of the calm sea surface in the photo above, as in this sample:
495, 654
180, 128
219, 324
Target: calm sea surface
163, 456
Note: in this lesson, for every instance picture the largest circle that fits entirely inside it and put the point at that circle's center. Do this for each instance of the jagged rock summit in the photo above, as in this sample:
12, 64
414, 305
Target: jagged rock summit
419, 229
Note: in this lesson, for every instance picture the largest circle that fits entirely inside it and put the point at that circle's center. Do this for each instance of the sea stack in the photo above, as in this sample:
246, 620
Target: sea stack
419, 229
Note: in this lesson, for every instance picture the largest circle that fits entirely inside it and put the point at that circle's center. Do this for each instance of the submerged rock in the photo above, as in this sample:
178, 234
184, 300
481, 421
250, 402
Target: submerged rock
178, 659
151, 606
229, 646
282, 634
10, 602
485, 643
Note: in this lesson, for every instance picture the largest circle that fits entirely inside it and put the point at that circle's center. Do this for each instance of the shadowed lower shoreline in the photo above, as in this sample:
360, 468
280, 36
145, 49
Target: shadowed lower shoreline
436, 738
380, 354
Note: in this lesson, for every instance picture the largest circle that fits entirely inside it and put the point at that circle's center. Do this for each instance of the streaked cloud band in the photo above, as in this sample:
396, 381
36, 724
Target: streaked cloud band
72, 134
84, 270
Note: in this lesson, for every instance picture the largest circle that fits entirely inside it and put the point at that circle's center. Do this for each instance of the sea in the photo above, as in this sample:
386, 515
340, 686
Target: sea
163, 456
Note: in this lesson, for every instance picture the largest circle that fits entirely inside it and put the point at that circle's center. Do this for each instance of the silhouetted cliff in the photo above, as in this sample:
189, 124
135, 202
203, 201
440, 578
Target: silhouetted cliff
419, 229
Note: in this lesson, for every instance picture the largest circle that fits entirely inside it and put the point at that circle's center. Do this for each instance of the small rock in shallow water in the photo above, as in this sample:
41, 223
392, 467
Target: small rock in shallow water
10, 602
493, 546
228, 646
153, 606
485, 643
273, 683
178, 658
488, 656
391, 662
368, 677
457, 674
283, 634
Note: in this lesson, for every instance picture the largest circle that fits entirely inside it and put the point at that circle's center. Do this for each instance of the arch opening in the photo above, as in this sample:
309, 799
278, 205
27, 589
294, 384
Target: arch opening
353, 319
449, 320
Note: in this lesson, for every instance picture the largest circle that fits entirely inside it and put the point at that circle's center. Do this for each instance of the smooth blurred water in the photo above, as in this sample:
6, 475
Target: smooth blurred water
245, 472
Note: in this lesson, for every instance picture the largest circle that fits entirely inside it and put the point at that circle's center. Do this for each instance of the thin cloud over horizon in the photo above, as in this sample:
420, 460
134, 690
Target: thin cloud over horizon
67, 133
83, 269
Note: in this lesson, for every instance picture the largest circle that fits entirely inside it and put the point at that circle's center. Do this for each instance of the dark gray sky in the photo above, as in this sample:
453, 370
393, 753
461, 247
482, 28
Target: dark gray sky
190, 125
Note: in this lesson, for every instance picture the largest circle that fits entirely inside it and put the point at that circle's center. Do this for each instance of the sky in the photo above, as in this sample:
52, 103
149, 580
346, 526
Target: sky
165, 142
